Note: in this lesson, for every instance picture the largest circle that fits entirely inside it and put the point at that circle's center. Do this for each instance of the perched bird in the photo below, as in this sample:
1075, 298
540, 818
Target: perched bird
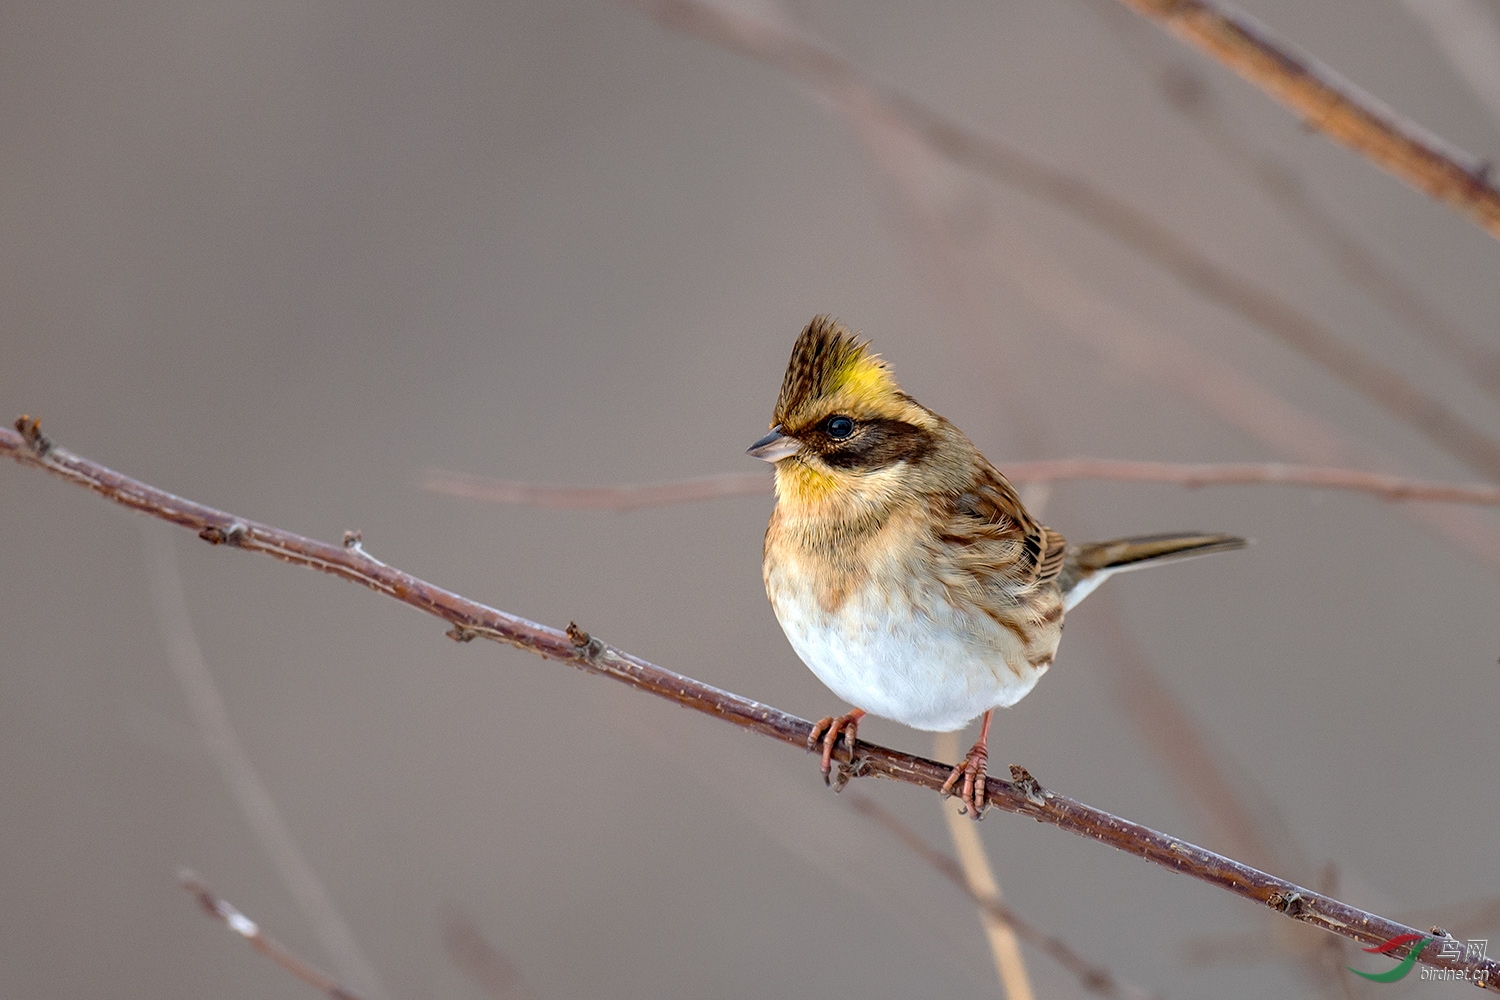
902, 565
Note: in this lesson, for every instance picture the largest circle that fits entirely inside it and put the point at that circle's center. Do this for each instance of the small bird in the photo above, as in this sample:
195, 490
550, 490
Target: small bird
903, 566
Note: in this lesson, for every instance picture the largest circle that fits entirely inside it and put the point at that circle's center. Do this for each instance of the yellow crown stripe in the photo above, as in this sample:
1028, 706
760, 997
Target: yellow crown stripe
864, 377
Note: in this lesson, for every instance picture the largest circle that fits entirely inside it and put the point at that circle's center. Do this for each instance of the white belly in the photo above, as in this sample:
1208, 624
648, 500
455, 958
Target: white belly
924, 665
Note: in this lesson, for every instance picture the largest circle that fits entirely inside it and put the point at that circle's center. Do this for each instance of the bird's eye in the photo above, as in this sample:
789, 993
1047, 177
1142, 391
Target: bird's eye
839, 427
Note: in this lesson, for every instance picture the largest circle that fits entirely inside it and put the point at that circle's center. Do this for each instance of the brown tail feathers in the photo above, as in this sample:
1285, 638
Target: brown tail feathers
1091, 563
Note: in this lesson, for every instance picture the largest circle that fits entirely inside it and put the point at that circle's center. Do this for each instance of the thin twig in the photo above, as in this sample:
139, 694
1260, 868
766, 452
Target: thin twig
1190, 474
268, 946
470, 619
1332, 105
1094, 978
835, 79
211, 718
982, 885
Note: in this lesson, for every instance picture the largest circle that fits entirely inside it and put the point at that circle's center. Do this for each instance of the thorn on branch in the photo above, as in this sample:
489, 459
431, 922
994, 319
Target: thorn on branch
232, 535
1289, 903
857, 767
589, 646
30, 429
1027, 785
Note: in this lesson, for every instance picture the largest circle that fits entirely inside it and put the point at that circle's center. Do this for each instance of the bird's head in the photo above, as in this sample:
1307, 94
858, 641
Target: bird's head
843, 431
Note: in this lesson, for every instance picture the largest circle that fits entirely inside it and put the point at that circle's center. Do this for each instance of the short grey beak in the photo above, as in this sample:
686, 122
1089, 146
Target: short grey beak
774, 446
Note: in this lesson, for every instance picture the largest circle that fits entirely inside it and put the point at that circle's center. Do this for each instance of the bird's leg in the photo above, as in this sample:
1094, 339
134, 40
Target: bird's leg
973, 771
827, 732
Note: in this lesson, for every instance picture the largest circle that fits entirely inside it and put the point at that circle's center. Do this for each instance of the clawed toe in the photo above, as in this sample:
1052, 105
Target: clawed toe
827, 732
973, 773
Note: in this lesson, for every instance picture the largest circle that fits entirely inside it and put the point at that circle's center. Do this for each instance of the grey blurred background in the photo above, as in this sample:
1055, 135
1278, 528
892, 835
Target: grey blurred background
281, 257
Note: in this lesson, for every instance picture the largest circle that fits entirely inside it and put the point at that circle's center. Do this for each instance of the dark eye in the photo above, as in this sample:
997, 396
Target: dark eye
839, 427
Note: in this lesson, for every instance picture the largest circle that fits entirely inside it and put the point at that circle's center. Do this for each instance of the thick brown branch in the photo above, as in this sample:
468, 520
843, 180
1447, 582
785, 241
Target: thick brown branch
470, 619
1332, 105
634, 496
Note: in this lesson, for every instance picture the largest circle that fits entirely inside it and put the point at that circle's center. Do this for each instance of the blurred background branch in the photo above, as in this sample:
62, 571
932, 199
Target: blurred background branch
1332, 105
1190, 474
1190, 93
978, 880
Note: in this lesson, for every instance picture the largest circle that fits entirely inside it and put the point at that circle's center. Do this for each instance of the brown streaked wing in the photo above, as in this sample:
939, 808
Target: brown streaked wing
999, 538
1055, 552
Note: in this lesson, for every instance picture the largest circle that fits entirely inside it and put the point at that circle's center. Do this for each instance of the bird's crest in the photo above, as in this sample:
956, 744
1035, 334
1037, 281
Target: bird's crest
830, 361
